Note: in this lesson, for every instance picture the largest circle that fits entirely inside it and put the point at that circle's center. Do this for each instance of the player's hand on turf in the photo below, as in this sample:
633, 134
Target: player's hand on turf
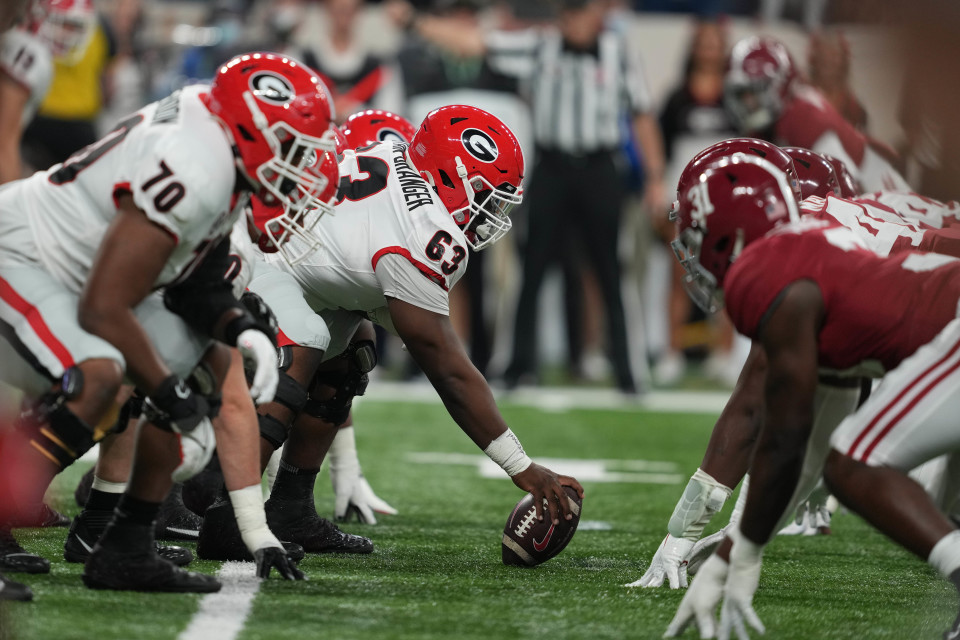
259, 355
547, 486
743, 579
669, 562
355, 497
276, 558
700, 602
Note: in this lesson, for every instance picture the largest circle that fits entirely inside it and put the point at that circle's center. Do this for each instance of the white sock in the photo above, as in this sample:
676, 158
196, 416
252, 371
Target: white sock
106, 486
945, 556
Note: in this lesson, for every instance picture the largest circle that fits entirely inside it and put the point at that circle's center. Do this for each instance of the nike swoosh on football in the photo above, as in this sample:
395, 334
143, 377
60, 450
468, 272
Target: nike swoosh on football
540, 546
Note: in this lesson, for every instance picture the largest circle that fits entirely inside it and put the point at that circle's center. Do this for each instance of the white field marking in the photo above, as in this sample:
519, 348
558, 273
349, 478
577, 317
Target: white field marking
642, 471
594, 525
562, 399
221, 616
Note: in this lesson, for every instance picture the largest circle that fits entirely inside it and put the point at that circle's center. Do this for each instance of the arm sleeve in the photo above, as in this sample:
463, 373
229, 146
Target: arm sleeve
513, 53
400, 278
635, 81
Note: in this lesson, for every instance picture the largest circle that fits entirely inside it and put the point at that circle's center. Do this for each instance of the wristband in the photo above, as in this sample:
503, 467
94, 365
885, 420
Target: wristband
507, 452
743, 548
240, 324
251, 518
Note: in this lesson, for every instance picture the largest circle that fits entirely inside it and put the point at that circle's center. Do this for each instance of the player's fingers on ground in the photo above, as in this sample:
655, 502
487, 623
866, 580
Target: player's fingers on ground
753, 619
366, 514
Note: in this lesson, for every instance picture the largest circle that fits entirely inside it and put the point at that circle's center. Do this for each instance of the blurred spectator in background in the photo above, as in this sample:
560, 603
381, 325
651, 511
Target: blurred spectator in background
26, 68
828, 57
692, 119
809, 13
222, 35
583, 81
67, 117
125, 85
356, 78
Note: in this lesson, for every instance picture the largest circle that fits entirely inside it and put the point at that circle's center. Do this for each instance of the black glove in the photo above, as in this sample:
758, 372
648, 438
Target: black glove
276, 557
175, 406
261, 312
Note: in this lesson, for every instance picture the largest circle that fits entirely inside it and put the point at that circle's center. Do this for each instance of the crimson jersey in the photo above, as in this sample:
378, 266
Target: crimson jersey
877, 311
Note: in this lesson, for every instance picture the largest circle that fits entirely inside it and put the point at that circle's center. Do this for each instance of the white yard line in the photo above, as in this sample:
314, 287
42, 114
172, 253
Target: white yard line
221, 616
560, 399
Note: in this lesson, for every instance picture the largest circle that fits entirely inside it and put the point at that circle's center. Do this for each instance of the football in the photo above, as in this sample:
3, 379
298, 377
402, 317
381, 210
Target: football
528, 542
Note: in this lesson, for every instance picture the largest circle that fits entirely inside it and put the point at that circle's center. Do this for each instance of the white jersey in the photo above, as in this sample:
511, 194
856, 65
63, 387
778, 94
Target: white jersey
389, 237
916, 208
174, 159
243, 256
28, 61
879, 227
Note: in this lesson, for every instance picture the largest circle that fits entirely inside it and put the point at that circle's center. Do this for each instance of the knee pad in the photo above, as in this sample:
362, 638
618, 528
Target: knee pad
56, 432
290, 393
272, 430
361, 358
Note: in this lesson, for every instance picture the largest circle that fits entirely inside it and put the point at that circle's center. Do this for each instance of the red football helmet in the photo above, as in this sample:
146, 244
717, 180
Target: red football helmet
757, 82
475, 164
279, 117
725, 149
816, 174
376, 125
732, 203
849, 186
66, 26
274, 225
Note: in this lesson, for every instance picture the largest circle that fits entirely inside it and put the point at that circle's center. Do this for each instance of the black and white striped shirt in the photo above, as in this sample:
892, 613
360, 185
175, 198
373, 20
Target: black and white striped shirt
579, 98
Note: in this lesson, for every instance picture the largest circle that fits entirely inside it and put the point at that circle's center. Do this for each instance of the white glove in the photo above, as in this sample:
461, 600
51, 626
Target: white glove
701, 600
742, 582
196, 449
670, 562
260, 355
352, 492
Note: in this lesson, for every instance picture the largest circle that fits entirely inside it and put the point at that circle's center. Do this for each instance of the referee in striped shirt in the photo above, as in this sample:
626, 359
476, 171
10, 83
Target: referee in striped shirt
584, 87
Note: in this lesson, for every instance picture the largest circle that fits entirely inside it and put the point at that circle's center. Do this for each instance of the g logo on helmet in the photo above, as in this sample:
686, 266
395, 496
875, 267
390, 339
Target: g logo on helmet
271, 87
479, 145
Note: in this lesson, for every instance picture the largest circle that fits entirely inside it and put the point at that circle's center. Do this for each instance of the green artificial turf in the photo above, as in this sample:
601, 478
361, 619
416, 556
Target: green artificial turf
436, 570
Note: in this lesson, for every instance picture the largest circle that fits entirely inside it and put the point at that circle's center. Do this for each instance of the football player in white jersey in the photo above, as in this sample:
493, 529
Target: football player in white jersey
26, 69
396, 244
84, 243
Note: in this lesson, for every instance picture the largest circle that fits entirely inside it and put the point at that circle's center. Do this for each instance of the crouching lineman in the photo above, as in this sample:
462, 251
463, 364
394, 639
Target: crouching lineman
396, 245
739, 230
84, 243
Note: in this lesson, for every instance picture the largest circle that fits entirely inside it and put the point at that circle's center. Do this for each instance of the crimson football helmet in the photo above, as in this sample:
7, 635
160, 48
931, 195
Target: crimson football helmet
278, 115
65, 26
849, 186
274, 225
817, 176
376, 125
475, 164
727, 148
733, 202
757, 83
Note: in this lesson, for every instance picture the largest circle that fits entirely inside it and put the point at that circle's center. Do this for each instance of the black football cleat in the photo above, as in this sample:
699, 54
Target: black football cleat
201, 491
16, 559
13, 590
82, 493
953, 633
220, 537
87, 528
297, 521
137, 571
175, 521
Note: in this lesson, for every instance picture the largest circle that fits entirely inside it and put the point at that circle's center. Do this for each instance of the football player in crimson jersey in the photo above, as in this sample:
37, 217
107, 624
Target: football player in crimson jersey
814, 297
397, 244
86, 242
882, 228
767, 98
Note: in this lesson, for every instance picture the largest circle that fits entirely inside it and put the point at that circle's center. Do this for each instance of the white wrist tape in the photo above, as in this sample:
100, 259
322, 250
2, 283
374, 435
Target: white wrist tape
701, 500
945, 555
744, 550
343, 449
251, 518
507, 452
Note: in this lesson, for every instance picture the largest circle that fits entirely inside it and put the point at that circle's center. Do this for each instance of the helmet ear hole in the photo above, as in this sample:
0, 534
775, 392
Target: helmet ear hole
445, 179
